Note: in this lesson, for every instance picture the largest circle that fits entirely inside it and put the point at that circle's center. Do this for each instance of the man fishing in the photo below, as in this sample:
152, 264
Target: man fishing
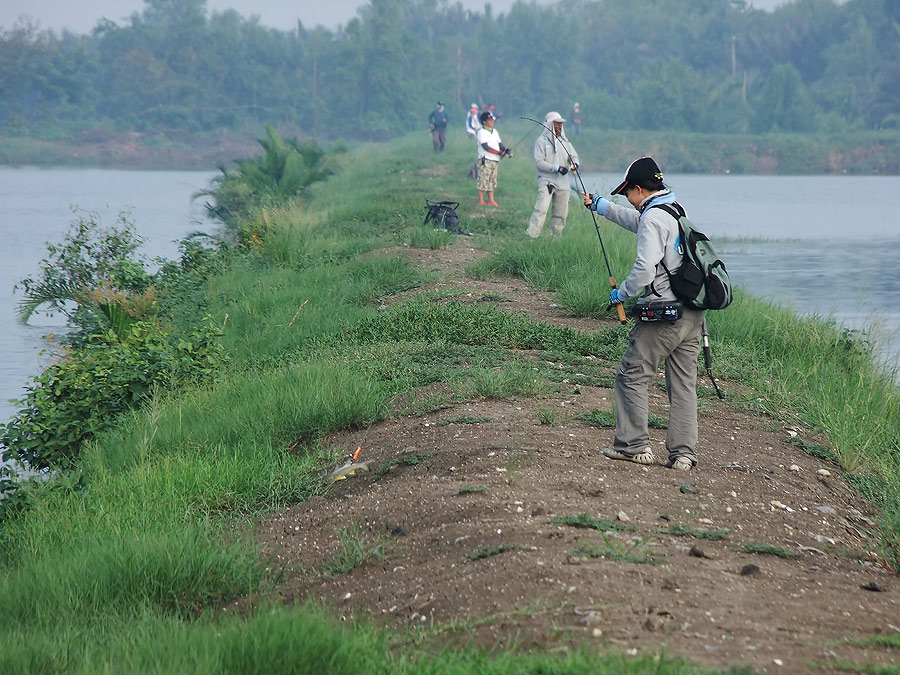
671, 333
490, 151
554, 157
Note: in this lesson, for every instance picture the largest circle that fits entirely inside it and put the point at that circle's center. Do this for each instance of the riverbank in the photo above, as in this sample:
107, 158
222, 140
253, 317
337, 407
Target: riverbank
861, 153
129, 150
474, 374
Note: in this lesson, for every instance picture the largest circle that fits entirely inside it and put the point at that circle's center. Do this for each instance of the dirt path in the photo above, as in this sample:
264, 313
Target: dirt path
475, 551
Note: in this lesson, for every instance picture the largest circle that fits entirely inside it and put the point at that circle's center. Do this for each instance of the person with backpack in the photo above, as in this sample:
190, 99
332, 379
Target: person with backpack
667, 329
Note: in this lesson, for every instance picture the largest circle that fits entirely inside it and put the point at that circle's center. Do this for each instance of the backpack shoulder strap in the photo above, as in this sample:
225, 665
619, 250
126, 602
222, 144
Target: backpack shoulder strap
674, 209
677, 212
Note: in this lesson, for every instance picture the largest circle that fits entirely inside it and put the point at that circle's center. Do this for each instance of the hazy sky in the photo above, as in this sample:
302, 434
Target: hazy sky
81, 16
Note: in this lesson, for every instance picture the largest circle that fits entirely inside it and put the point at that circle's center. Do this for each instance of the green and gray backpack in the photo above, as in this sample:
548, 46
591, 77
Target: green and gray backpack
702, 281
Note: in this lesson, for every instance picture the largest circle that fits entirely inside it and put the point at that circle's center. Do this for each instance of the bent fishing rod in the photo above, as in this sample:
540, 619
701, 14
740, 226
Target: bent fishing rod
620, 308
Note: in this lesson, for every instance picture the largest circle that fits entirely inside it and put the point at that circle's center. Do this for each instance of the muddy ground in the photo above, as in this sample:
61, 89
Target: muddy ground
469, 505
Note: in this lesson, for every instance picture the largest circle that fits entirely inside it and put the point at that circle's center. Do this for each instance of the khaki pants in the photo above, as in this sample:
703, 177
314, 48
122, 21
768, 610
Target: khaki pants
545, 194
649, 343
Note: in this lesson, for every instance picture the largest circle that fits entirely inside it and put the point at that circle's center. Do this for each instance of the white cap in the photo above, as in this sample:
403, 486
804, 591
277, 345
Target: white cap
553, 117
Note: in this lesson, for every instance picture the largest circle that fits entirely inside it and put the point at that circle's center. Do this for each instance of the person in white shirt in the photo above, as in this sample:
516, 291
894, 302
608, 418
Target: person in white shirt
490, 151
472, 123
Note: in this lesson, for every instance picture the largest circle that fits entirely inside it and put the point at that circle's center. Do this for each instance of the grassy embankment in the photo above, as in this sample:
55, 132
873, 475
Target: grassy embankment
128, 575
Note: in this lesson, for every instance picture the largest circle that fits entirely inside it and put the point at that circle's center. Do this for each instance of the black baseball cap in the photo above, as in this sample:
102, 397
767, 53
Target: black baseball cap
487, 115
640, 172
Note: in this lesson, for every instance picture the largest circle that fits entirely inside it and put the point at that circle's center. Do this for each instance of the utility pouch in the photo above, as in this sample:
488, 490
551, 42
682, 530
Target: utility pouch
659, 311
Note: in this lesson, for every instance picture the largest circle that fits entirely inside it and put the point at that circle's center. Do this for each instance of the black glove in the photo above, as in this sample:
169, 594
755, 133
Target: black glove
563, 170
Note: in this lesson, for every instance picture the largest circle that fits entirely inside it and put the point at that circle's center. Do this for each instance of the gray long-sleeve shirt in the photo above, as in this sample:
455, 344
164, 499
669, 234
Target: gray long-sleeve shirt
550, 153
657, 242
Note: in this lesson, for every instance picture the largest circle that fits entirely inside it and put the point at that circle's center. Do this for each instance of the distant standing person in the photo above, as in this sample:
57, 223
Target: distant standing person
553, 157
472, 123
576, 119
437, 122
675, 340
490, 151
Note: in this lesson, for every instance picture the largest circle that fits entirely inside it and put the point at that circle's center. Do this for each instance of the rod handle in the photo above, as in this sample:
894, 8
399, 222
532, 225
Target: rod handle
620, 308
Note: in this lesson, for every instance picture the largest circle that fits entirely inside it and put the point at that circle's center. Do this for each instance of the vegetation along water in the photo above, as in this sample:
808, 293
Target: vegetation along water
196, 399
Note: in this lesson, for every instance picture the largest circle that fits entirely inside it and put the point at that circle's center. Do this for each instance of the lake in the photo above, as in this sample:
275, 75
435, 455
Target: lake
822, 245
825, 245
36, 206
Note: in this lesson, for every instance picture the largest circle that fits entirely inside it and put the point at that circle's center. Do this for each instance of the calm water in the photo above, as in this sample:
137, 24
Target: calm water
823, 245
36, 206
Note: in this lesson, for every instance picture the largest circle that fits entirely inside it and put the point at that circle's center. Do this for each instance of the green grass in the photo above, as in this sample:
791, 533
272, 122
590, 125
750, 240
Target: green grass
888, 640
585, 520
410, 459
619, 551
355, 550
125, 565
607, 418
683, 531
495, 550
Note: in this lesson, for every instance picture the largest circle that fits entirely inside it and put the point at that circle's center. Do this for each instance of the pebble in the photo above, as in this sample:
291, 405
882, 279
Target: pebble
794, 467
622, 516
687, 488
749, 571
698, 552
873, 586
824, 473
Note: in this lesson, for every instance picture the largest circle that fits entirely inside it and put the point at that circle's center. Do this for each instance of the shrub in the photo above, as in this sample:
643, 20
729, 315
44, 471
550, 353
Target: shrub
85, 392
282, 172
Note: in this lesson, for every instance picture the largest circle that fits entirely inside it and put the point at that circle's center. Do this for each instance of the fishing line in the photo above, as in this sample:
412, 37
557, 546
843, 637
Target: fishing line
620, 309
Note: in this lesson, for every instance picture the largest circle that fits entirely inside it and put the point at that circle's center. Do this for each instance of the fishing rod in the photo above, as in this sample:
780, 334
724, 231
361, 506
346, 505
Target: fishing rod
620, 309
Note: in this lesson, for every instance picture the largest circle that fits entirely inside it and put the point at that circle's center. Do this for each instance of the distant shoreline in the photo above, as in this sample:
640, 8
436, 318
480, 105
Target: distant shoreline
860, 153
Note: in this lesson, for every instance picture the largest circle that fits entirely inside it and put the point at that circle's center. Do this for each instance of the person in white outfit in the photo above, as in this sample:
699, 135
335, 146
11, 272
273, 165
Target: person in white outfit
554, 157
472, 123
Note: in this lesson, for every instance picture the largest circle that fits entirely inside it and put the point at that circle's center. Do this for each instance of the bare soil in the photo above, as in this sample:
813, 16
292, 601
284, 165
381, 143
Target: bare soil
468, 516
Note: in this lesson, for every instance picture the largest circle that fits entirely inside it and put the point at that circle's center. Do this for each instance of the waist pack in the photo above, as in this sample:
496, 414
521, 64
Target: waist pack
658, 311
702, 281
443, 215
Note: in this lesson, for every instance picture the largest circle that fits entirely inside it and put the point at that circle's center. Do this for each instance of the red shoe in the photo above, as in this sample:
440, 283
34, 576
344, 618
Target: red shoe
481, 203
493, 204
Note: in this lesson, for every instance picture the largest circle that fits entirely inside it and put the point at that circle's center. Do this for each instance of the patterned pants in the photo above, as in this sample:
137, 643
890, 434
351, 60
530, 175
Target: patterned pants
487, 175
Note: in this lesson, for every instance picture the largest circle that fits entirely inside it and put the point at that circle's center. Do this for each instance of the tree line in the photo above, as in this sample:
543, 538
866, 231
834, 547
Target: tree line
708, 66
